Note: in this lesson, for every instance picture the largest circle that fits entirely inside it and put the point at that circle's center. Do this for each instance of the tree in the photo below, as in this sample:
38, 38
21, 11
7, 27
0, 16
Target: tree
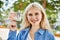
1, 3
51, 7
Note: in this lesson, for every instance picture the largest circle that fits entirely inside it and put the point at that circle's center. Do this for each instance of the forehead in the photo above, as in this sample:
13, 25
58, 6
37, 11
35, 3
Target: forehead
12, 13
31, 10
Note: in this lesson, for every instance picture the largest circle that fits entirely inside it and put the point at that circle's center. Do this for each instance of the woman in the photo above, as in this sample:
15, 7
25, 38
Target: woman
35, 25
12, 20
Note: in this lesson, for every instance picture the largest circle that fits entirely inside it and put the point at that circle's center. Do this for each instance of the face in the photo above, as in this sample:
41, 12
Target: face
12, 16
34, 16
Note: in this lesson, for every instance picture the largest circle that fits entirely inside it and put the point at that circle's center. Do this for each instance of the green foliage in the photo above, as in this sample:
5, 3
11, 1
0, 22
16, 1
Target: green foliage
1, 3
20, 6
50, 7
34, 1
51, 16
58, 28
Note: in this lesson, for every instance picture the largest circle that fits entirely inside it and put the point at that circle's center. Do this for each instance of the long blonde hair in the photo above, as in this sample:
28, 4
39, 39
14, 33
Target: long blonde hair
44, 22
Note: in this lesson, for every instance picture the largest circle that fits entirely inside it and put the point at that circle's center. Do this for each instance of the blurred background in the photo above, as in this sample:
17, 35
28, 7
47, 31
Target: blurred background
52, 8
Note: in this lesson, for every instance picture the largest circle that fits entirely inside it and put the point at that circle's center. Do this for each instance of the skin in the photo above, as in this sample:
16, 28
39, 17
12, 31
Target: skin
13, 26
12, 15
34, 17
13, 21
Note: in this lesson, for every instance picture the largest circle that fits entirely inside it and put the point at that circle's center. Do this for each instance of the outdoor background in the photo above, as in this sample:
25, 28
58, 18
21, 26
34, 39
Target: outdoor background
52, 8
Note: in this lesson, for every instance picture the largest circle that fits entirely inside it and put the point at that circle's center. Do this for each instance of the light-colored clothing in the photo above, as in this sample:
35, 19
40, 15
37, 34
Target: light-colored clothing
41, 34
29, 37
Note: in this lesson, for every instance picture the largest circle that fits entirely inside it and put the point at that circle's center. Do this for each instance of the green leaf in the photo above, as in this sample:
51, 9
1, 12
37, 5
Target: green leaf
1, 3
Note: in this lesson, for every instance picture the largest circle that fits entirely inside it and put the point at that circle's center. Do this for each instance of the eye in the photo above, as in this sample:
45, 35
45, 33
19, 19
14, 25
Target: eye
36, 13
30, 14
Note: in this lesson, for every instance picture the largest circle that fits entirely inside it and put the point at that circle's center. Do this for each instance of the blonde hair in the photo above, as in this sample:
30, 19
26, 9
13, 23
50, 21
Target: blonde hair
44, 22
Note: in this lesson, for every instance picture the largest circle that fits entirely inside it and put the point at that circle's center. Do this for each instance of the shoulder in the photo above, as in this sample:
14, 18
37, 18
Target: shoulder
50, 35
22, 34
23, 31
